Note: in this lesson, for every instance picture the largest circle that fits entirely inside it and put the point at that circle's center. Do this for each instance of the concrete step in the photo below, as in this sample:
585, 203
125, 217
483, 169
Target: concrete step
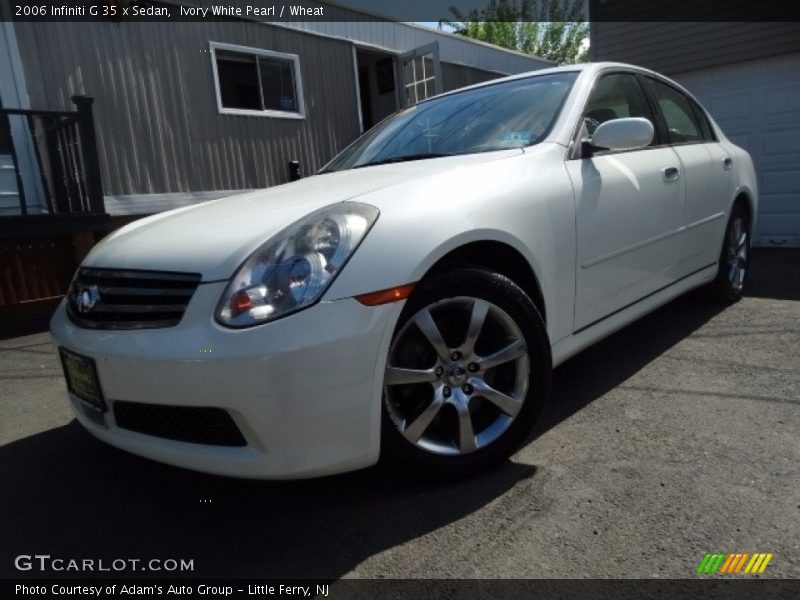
9, 203
8, 180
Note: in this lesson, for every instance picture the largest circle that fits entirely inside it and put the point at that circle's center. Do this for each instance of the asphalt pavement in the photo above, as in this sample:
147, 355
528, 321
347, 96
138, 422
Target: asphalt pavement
677, 436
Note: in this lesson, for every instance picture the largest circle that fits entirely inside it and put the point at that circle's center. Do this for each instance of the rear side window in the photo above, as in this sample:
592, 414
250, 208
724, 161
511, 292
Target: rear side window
705, 125
616, 96
680, 119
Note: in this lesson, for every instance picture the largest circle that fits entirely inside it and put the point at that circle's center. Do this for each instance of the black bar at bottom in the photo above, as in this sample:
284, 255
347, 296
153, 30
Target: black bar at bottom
734, 587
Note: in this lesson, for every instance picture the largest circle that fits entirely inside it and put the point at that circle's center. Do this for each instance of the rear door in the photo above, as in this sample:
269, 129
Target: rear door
706, 169
629, 209
420, 74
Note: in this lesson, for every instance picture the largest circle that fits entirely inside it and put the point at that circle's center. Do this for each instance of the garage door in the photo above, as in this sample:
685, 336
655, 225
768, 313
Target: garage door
757, 104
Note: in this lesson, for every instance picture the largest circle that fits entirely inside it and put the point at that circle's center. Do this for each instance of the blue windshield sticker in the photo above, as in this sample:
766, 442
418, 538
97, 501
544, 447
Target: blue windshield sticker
516, 138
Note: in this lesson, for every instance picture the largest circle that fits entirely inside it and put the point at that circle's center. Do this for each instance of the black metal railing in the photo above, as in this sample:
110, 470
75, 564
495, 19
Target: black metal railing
66, 153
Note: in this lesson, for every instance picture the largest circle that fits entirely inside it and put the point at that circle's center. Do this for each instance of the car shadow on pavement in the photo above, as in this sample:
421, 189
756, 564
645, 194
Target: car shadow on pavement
68, 495
774, 273
610, 362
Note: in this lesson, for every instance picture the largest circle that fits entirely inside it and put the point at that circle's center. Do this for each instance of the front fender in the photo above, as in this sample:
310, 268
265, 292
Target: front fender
525, 202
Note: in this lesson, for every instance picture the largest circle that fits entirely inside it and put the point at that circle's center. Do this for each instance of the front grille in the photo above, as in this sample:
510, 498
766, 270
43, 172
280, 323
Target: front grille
129, 299
198, 425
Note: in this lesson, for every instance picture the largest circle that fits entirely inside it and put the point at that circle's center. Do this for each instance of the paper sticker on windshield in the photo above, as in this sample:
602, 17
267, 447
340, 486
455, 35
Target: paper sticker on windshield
516, 138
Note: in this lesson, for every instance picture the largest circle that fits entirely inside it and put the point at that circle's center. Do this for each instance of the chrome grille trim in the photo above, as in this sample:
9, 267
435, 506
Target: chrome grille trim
131, 299
143, 308
129, 291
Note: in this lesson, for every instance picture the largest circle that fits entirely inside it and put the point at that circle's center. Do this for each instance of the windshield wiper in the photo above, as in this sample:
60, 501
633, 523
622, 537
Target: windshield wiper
403, 158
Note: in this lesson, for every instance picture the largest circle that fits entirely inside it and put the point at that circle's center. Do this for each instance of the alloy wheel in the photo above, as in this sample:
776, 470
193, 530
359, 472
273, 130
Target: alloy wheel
457, 376
737, 250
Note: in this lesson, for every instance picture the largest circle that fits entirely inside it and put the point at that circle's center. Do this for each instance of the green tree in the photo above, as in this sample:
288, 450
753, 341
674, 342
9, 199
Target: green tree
551, 29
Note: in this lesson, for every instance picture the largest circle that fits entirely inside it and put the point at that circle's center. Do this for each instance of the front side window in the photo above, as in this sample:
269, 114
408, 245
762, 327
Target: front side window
499, 116
679, 117
615, 96
252, 81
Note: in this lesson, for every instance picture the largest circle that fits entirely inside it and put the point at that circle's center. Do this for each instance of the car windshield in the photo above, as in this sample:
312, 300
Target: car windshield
511, 114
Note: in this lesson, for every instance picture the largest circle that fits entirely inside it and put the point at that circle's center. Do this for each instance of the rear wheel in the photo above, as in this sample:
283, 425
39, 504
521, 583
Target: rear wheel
734, 260
467, 375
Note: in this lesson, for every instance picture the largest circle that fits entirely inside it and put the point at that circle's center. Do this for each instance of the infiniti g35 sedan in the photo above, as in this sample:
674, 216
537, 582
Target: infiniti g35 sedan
410, 301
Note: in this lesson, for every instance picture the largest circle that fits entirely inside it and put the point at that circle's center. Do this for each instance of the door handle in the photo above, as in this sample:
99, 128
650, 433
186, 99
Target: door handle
727, 163
671, 173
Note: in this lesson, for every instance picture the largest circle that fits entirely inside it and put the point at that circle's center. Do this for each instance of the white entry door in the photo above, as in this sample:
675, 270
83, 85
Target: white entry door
420, 74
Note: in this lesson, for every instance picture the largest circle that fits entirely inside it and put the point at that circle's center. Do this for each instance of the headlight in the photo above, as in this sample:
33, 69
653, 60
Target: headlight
293, 269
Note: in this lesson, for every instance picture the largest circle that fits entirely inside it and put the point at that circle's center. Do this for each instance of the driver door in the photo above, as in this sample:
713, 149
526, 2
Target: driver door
630, 207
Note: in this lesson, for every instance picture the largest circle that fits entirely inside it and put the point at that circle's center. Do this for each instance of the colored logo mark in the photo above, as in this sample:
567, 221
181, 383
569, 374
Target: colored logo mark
728, 563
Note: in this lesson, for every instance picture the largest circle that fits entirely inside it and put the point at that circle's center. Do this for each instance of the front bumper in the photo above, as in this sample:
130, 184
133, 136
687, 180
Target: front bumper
304, 390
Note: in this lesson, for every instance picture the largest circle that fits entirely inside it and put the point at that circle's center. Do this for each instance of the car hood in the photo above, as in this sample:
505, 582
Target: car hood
214, 238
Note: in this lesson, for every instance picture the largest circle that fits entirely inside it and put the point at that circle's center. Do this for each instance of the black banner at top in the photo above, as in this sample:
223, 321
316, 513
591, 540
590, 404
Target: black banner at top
427, 11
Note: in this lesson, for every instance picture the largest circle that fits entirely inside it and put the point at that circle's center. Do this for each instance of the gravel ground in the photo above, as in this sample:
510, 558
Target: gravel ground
678, 436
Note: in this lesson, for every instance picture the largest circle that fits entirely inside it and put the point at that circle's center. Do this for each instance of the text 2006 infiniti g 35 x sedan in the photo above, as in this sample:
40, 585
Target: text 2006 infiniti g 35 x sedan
411, 300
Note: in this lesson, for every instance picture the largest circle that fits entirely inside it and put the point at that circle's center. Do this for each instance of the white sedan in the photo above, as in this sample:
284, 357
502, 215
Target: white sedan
410, 301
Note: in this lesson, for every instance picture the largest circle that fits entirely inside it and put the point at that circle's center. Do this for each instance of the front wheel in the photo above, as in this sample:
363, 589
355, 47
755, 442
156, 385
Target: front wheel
734, 260
467, 375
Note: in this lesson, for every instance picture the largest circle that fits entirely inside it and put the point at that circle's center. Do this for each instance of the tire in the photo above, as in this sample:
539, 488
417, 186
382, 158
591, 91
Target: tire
734, 258
453, 403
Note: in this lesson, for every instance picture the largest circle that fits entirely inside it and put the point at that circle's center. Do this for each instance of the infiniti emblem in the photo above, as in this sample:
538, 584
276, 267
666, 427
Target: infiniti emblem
86, 298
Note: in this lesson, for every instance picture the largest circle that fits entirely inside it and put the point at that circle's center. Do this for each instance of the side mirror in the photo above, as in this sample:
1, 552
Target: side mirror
622, 134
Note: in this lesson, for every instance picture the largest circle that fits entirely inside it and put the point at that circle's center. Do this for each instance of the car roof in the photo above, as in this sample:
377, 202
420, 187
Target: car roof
577, 68
592, 67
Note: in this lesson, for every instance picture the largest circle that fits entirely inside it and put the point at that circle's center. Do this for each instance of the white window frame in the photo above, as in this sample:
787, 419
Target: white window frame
435, 76
426, 77
279, 114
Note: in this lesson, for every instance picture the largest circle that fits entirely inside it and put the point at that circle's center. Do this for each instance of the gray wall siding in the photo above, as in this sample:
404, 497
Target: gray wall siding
364, 28
458, 76
158, 129
676, 47
402, 37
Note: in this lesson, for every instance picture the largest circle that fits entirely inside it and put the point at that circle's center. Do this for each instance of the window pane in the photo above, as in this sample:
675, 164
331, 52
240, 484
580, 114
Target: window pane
705, 126
420, 91
408, 72
678, 114
428, 61
418, 76
238, 80
615, 96
430, 88
277, 85
411, 97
